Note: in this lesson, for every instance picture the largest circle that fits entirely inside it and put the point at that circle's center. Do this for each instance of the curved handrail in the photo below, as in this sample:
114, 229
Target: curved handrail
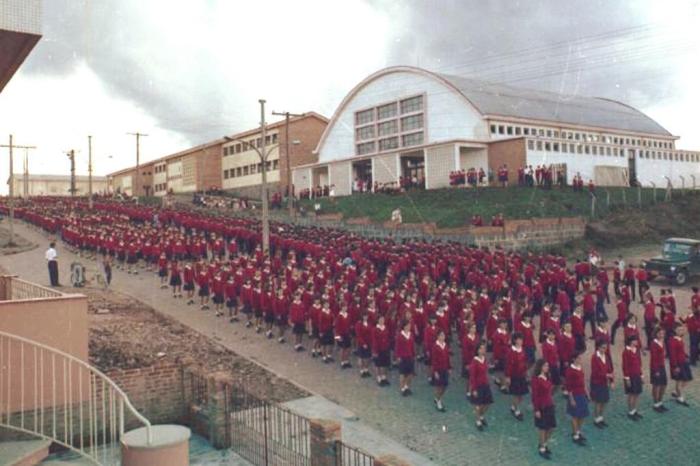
103, 393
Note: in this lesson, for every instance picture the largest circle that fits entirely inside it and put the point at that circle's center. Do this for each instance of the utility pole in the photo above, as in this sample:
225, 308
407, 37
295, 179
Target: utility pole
90, 172
11, 191
25, 184
290, 194
135, 182
71, 156
263, 154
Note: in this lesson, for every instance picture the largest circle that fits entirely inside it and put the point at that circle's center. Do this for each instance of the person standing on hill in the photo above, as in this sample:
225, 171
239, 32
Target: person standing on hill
52, 261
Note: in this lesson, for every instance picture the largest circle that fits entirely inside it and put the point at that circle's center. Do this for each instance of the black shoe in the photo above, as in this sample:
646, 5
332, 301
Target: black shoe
480, 426
599, 425
663, 408
404, 392
543, 453
409, 392
638, 416
682, 402
364, 375
674, 394
659, 409
633, 416
483, 421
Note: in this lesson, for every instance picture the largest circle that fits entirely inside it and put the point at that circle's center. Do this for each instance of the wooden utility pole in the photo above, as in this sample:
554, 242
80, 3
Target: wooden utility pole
11, 191
25, 183
135, 182
290, 193
90, 172
71, 156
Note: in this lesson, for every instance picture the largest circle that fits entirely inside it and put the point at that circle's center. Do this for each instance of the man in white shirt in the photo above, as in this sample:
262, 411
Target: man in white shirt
52, 260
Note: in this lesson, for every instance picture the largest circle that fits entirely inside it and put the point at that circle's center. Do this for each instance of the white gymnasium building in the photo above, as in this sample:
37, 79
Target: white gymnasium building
405, 121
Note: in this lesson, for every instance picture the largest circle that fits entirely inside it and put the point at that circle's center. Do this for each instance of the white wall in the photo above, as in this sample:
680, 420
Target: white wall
447, 114
575, 163
653, 171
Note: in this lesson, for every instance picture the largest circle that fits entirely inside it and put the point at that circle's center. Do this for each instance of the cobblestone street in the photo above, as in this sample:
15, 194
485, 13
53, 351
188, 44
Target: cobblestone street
446, 438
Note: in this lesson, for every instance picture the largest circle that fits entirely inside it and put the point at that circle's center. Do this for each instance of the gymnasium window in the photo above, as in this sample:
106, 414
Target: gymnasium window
366, 132
386, 111
413, 139
388, 143
388, 127
365, 148
414, 104
412, 122
364, 117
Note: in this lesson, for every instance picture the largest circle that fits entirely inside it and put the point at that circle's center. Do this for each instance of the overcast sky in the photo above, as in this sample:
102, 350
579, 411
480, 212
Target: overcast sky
185, 72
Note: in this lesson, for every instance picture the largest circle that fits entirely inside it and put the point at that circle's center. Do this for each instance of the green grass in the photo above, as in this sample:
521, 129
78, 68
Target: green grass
455, 207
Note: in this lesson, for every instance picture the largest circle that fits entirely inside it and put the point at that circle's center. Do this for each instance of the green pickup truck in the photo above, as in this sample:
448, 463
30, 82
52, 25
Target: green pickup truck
680, 260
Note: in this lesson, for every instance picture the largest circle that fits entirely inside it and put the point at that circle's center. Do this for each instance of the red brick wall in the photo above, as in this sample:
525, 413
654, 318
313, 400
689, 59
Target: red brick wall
157, 392
510, 152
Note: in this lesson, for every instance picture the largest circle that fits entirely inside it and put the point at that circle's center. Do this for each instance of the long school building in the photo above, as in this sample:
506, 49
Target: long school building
410, 122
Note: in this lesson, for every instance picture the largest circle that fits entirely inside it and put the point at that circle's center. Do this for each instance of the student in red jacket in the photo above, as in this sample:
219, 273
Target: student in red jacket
363, 339
405, 352
632, 375
381, 350
543, 405
680, 367
163, 270
657, 367
566, 347
176, 279
469, 343
501, 341
440, 366
342, 328
650, 319
601, 382
550, 353
188, 282
325, 332
516, 375
230, 293
297, 316
479, 389
280, 307
577, 406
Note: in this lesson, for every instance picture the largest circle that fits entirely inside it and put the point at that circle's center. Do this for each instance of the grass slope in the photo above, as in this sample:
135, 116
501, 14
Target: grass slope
455, 207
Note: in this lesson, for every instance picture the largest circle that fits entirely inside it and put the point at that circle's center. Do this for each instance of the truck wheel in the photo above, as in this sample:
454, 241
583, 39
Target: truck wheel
681, 278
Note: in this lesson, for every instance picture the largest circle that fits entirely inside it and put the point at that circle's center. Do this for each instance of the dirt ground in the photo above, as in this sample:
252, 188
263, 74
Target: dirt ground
21, 244
132, 335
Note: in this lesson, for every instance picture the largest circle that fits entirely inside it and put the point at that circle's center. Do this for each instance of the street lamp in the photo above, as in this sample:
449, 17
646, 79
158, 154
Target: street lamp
263, 155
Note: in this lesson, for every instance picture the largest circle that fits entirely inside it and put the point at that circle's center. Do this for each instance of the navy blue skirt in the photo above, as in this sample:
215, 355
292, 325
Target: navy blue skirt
483, 396
547, 419
518, 386
684, 374
633, 386
579, 411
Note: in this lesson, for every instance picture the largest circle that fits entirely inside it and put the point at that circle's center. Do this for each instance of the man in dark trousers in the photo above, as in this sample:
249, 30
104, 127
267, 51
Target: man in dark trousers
51, 259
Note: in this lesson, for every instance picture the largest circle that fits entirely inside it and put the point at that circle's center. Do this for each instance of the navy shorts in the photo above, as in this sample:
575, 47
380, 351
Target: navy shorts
175, 281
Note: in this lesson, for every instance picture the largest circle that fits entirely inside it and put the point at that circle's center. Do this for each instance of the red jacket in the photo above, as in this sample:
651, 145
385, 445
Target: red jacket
516, 363
631, 362
500, 345
440, 358
657, 356
325, 321
478, 374
566, 346
342, 325
469, 348
541, 392
677, 354
404, 347
550, 353
296, 312
600, 370
575, 381
363, 334
380, 339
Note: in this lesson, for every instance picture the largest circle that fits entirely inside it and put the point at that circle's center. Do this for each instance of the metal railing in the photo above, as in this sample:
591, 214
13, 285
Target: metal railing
345, 455
51, 394
264, 432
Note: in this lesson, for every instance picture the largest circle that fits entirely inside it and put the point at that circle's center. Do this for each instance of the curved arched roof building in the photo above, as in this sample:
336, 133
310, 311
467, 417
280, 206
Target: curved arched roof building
408, 121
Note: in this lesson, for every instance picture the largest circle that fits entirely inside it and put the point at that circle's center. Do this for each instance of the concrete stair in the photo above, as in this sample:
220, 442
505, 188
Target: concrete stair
23, 452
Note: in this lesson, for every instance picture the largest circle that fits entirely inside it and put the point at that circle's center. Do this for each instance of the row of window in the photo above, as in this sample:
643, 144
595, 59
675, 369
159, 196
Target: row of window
160, 187
407, 140
610, 151
390, 110
510, 130
244, 146
251, 169
387, 128
159, 168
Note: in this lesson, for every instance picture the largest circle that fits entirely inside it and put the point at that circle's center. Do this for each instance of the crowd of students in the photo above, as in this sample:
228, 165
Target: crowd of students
520, 317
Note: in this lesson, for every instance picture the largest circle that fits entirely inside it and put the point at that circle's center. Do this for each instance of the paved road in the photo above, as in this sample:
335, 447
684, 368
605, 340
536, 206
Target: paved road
447, 438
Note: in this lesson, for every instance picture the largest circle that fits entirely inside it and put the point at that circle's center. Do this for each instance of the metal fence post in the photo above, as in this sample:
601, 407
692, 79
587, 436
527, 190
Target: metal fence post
639, 195
653, 186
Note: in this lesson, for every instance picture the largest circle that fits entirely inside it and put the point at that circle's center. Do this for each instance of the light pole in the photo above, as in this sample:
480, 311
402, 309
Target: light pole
263, 155
90, 172
290, 197
11, 190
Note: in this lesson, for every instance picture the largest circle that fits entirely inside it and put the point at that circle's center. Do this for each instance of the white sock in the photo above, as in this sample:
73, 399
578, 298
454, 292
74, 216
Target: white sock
680, 398
633, 411
599, 419
657, 405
